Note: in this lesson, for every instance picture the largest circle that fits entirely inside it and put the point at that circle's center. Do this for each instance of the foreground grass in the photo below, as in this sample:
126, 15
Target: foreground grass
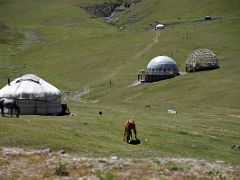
202, 135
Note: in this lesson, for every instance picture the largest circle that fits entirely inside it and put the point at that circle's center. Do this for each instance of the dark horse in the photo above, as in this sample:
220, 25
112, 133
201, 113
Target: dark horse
9, 104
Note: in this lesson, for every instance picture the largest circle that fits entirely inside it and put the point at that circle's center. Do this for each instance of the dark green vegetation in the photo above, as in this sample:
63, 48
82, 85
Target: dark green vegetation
61, 42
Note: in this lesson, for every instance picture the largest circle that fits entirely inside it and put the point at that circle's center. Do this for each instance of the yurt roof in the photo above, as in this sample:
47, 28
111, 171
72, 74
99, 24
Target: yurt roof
160, 61
31, 87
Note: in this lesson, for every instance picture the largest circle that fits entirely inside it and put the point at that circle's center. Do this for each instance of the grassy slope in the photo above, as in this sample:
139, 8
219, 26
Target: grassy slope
73, 50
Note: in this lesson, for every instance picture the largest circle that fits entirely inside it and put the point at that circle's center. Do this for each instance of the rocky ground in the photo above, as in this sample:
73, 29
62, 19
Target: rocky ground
44, 164
106, 9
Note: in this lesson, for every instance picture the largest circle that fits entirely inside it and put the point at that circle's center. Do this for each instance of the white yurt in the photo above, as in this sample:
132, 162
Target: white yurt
33, 95
159, 68
159, 26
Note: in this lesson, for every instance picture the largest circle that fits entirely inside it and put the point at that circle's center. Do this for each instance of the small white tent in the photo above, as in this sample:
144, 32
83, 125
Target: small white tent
159, 26
33, 95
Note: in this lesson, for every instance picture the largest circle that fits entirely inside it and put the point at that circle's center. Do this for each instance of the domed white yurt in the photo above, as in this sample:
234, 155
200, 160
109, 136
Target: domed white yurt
159, 68
200, 60
33, 95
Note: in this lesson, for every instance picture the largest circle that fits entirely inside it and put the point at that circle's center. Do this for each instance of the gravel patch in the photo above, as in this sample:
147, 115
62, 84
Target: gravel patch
39, 164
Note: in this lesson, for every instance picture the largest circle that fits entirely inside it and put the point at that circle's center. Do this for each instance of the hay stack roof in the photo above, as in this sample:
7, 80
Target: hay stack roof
201, 59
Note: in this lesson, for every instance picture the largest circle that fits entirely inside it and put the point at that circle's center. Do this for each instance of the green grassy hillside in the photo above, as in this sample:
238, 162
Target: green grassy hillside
62, 43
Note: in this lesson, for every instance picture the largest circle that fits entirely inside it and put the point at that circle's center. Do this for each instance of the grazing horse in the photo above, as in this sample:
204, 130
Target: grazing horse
9, 104
129, 126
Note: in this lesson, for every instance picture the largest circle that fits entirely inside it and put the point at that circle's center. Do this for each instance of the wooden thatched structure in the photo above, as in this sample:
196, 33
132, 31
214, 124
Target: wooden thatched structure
200, 60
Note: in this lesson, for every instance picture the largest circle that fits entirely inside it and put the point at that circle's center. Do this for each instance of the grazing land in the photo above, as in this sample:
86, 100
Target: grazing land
61, 42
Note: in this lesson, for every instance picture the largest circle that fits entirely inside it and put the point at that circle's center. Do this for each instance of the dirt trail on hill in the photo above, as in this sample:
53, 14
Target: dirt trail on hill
76, 95
39, 164
156, 38
200, 20
32, 37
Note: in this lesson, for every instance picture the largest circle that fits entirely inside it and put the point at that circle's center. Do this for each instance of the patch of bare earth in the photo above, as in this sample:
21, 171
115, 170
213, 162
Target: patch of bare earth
43, 164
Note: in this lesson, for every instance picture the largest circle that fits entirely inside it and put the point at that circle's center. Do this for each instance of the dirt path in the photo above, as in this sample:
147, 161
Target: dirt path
135, 83
156, 38
236, 116
200, 20
76, 95
39, 164
32, 37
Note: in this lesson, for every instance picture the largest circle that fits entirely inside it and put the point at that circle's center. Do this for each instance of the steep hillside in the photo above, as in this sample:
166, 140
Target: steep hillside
60, 41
